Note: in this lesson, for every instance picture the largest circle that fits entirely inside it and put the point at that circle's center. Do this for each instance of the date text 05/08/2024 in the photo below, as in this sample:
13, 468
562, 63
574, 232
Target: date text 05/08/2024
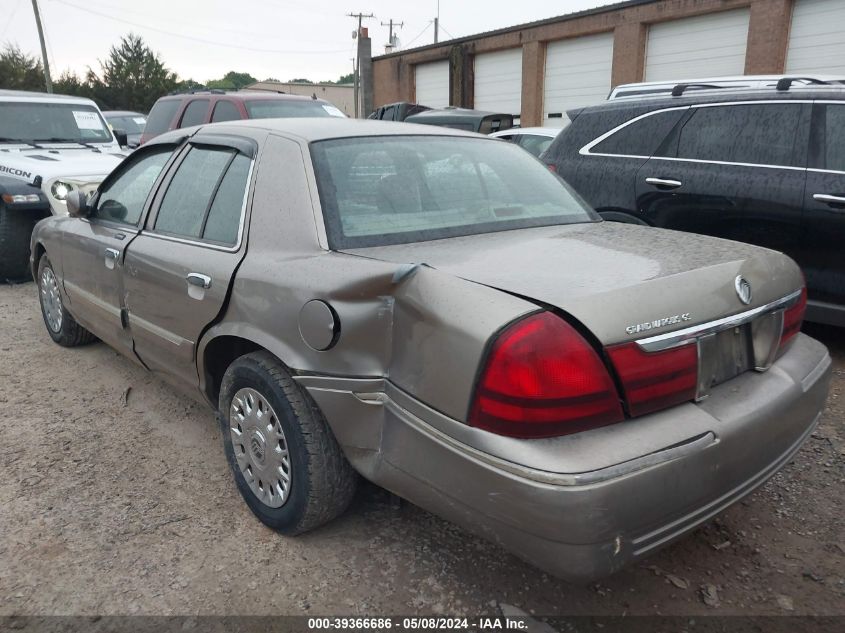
419, 623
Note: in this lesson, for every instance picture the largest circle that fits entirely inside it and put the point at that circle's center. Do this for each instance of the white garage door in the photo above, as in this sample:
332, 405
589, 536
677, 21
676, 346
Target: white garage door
709, 45
432, 84
577, 74
816, 40
498, 81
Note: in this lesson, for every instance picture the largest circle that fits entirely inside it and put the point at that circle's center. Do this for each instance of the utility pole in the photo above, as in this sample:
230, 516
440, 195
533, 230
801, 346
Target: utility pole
47, 79
356, 35
437, 23
391, 25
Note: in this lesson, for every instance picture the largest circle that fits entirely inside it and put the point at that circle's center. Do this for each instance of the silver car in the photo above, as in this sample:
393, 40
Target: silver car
437, 312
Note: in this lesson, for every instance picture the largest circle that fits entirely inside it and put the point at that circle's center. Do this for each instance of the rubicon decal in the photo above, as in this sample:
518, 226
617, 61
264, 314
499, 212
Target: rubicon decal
658, 323
15, 172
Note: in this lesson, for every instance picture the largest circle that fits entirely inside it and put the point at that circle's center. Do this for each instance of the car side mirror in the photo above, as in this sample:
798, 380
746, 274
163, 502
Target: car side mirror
120, 137
77, 204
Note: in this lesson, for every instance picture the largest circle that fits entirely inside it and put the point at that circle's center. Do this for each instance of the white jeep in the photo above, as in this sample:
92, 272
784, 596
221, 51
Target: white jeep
50, 145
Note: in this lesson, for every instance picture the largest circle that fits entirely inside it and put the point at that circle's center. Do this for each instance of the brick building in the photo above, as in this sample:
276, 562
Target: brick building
541, 69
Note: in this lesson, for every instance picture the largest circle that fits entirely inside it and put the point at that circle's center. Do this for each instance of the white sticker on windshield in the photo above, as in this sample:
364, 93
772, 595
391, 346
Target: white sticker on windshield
87, 120
139, 120
333, 111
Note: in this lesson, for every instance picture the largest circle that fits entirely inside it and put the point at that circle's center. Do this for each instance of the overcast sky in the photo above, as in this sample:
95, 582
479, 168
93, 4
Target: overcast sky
285, 39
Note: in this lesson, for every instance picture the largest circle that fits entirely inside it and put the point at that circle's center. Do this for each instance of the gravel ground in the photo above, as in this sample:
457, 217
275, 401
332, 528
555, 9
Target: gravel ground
122, 504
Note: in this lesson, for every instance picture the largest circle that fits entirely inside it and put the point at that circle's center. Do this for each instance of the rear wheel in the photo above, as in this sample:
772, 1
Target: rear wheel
15, 233
61, 326
287, 465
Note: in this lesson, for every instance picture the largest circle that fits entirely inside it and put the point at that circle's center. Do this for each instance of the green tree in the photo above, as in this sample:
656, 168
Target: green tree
232, 81
346, 79
132, 77
300, 81
69, 83
19, 71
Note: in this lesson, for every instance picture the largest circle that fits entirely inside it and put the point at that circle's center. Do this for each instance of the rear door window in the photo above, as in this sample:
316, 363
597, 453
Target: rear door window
204, 200
225, 111
195, 113
757, 134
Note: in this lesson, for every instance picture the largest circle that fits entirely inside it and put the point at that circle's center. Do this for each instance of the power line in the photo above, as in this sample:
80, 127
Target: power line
197, 39
11, 17
442, 28
419, 35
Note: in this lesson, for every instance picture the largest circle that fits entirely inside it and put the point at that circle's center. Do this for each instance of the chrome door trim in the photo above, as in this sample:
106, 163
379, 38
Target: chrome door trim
664, 182
587, 149
828, 198
689, 335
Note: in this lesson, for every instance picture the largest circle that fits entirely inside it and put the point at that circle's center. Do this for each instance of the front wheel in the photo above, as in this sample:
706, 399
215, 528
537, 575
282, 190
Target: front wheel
61, 326
15, 233
287, 465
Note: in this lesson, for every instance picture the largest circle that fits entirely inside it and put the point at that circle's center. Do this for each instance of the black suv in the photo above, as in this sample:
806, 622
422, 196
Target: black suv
762, 166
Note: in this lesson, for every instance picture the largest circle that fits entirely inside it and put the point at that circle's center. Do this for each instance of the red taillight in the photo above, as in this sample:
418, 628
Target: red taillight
655, 380
541, 379
793, 317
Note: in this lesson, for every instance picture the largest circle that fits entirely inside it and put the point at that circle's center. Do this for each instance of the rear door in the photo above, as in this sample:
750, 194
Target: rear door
733, 170
824, 208
179, 268
93, 247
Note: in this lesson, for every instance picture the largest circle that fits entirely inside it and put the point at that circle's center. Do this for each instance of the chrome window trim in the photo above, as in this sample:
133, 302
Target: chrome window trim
689, 335
819, 170
586, 150
205, 243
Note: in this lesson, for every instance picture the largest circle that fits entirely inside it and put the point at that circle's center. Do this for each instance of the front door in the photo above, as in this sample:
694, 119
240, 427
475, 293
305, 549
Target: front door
735, 171
824, 209
93, 247
179, 268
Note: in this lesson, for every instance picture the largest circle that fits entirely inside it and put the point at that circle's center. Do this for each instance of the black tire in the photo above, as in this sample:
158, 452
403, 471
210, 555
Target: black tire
322, 482
68, 333
15, 233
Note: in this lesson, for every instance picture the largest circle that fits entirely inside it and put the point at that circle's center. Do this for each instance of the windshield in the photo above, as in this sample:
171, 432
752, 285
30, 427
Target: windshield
399, 189
289, 108
51, 122
129, 123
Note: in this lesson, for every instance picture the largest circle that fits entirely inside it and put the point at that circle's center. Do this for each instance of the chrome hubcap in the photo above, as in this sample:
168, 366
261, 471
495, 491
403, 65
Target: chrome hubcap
260, 447
51, 300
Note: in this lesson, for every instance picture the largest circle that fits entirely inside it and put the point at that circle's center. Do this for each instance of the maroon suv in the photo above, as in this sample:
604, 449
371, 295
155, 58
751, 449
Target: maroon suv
212, 106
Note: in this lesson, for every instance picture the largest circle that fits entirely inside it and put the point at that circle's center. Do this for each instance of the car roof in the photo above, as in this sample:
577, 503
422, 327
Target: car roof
312, 129
719, 95
243, 95
43, 96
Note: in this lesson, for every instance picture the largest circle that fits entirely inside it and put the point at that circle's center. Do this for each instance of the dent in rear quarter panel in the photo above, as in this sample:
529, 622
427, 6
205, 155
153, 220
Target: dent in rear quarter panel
426, 331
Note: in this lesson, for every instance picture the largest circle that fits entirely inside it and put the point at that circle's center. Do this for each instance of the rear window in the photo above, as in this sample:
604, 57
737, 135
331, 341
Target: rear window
286, 109
401, 189
160, 117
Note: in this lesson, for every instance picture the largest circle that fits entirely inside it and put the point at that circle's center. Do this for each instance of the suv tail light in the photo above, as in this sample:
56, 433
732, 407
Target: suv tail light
655, 380
541, 379
793, 317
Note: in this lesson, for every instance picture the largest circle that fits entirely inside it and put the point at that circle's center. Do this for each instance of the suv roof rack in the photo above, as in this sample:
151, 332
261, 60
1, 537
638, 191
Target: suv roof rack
786, 82
213, 91
678, 90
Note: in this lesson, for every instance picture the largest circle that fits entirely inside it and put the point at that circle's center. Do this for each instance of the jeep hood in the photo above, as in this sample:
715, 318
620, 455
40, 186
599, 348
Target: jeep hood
610, 276
58, 162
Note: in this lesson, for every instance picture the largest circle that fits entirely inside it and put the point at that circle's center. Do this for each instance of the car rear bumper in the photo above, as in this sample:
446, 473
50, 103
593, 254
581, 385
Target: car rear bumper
582, 525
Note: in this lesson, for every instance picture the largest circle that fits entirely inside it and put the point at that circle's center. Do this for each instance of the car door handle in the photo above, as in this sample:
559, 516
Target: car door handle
112, 253
664, 183
199, 280
834, 201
